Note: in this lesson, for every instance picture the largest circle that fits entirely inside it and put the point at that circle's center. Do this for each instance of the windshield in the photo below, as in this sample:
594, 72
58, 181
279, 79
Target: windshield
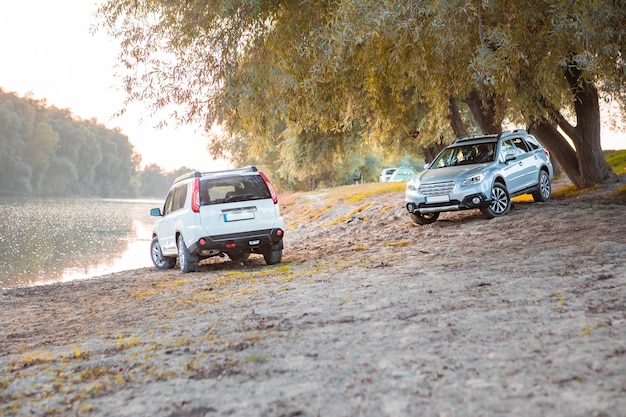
465, 155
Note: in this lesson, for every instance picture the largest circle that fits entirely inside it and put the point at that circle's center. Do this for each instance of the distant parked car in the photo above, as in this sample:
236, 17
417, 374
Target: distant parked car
386, 174
402, 174
481, 172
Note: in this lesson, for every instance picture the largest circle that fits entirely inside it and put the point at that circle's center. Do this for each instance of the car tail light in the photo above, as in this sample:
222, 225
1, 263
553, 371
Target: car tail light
270, 187
195, 196
547, 153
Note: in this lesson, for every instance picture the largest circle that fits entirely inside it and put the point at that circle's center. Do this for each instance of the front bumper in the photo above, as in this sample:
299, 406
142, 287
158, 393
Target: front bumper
420, 203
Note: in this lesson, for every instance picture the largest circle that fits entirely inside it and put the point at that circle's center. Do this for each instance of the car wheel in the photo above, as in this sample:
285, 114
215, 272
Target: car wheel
425, 218
272, 256
545, 188
160, 261
186, 261
500, 202
238, 256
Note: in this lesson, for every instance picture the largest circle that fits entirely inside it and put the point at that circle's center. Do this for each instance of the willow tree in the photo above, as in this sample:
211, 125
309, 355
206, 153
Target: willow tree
389, 71
558, 56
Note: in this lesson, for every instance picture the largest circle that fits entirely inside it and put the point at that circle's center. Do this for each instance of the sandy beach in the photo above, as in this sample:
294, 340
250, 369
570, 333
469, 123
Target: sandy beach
367, 315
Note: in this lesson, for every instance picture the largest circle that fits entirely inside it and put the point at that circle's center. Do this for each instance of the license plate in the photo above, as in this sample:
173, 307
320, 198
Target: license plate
238, 215
437, 199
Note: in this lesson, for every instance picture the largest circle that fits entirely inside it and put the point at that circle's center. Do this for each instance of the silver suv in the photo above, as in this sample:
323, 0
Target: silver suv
481, 172
232, 212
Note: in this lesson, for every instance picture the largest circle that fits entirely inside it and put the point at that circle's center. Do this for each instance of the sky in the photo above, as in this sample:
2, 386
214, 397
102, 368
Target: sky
47, 50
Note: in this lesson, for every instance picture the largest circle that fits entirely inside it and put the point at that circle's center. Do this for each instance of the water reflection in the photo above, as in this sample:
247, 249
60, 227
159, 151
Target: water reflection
46, 241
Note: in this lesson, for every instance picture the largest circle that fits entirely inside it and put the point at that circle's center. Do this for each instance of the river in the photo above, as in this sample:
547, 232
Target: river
44, 241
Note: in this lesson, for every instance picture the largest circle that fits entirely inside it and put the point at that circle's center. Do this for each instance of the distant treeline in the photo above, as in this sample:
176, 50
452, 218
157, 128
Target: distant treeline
46, 151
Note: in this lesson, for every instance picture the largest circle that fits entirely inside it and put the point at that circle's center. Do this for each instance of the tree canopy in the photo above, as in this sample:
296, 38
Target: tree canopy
317, 82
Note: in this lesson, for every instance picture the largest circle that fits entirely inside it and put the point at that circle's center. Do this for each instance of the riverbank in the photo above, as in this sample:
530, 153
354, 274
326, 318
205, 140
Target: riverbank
368, 315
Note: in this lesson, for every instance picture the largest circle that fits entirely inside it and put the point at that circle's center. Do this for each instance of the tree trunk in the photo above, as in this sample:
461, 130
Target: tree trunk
592, 166
458, 126
584, 164
560, 149
484, 112
432, 150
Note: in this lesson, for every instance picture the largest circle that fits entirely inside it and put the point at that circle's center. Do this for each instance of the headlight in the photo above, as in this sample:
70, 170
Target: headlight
410, 186
476, 179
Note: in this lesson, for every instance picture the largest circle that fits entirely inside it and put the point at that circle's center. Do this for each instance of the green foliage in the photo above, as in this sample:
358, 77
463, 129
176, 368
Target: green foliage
312, 86
617, 160
45, 151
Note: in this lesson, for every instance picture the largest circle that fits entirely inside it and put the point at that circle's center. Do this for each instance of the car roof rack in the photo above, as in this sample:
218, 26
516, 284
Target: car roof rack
513, 132
249, 168
475, 137
194, 174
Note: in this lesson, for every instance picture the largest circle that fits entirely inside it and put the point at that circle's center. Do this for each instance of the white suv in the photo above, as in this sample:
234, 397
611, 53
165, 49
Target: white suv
232, 212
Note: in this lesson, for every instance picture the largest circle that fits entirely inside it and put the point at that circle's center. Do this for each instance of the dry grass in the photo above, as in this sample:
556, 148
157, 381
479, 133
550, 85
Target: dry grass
571, 191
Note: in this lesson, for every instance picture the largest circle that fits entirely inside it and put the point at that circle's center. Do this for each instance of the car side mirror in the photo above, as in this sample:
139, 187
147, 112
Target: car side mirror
509, 157
156, 212
426, 166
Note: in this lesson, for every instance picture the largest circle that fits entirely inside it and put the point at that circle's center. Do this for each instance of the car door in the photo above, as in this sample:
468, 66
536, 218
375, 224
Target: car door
513, 169
527, 163
167, 228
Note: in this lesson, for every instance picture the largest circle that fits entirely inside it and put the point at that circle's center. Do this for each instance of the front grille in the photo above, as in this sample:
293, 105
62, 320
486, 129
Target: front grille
438, 188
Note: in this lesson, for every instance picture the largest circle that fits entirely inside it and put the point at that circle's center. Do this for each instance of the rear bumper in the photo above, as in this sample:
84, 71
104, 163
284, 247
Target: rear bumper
248, 241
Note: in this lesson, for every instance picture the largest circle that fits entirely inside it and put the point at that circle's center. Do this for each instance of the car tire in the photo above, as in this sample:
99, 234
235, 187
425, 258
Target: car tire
238, 256
425, 218
545, 188
272, 256
500, 202
160, 261
186, 261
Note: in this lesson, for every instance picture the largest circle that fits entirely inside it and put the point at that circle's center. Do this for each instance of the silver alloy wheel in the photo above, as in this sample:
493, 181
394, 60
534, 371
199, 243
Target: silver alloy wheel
186, 261
545, 187
499, 201
160, 261
182, 258
157, 255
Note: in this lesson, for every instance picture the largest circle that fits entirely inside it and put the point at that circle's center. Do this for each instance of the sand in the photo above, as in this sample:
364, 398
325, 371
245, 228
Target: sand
368, 315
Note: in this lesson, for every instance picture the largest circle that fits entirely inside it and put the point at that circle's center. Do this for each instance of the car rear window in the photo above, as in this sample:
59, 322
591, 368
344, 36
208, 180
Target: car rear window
219, 190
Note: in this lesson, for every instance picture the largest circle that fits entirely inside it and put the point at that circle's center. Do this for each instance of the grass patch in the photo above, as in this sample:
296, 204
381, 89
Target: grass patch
620, 192
572, 191
399, 244
617, 160
369, 190
385, 208
345, 218
588, 329
256, 358
127, 343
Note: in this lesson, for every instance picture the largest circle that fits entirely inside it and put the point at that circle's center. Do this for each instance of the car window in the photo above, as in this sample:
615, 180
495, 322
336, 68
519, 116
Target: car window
532, 143
230, 189
520, 146
179, 197
507, 148
484, 152
176, 199
168, 202
465, 155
